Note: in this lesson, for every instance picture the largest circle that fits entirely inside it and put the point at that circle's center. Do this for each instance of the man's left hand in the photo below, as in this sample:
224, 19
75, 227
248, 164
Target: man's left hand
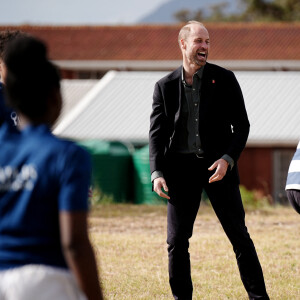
221, 165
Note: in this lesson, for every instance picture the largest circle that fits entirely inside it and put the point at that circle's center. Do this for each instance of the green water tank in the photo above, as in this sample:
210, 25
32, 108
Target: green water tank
142, 179
112, 165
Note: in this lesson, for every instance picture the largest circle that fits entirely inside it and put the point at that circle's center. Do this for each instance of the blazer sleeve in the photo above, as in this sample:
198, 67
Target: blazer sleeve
158, 131
238, 119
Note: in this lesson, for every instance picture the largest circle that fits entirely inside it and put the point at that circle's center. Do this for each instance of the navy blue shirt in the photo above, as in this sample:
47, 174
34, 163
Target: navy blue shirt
40, 175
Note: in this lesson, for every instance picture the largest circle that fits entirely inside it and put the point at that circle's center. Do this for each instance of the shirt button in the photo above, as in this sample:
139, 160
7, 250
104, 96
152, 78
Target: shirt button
196, 120
196, 104
197, 134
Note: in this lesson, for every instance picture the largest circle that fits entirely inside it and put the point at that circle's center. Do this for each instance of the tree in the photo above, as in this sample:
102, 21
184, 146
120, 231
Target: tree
183, 15
218, 12
292, 9
255, 11
261, 10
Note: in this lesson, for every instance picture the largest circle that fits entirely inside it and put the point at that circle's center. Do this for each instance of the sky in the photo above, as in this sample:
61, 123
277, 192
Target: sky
75, 12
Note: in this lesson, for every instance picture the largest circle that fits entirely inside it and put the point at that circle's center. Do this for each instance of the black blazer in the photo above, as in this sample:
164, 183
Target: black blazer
223, 120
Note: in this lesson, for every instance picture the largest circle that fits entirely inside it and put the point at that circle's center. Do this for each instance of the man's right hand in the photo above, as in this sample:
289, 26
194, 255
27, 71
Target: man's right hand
158, 184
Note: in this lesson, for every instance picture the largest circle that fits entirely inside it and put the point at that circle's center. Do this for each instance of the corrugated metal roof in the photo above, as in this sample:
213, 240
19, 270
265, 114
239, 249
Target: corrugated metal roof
273, 104
119, 106
72, 92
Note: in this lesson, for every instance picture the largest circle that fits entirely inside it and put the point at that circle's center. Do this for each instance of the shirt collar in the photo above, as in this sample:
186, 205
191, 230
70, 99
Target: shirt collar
199, 73
41, 128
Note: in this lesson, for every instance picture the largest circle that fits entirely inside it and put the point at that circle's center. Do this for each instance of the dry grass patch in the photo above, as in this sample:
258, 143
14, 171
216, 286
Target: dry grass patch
130, 244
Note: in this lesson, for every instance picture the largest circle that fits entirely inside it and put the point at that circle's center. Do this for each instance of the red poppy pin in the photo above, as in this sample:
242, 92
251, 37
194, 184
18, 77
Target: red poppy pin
213, 81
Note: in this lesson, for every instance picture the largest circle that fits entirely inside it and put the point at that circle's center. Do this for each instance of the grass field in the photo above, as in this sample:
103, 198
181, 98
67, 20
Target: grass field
129, 242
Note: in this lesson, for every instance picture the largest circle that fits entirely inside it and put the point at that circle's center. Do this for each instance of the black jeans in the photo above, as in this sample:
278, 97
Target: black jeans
186, 177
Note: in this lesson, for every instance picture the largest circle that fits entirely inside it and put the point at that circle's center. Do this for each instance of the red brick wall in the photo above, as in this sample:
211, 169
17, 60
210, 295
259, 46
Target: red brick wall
256, 169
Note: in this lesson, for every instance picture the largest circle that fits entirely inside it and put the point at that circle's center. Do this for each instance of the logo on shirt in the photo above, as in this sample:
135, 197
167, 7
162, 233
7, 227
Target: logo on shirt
13, 179
15, 118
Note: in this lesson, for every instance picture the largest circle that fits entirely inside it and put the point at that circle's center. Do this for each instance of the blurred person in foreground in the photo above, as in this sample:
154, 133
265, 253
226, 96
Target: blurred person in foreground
198, 129
293, 181
6, 113
45, 251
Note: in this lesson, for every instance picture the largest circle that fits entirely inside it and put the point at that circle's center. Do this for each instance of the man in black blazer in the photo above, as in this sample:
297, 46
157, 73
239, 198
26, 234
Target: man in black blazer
198, 129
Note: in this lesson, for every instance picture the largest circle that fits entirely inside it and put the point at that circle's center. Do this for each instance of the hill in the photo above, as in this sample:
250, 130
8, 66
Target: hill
164, 14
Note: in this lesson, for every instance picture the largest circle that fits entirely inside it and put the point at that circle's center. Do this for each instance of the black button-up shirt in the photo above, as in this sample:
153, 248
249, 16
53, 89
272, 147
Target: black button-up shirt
187, 136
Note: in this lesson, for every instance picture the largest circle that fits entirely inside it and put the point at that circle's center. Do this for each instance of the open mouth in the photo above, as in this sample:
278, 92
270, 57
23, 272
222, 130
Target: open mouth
202, 54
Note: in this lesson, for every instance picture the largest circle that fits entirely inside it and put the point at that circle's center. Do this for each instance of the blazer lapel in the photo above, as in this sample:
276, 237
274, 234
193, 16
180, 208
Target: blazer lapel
175, 89
180, 88
207, 93
208, 82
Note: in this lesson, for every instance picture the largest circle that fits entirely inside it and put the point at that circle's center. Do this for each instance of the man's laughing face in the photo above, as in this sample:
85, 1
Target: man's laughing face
197, 46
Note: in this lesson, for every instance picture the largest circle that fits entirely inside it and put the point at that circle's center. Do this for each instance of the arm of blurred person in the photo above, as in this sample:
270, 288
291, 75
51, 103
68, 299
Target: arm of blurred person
79, 253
